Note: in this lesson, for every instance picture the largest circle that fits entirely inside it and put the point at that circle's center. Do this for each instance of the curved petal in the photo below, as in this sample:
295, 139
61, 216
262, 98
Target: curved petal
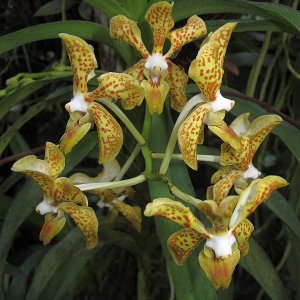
176, 212
65, 191
194, 28
177, 80
85, 219
132, 214
242, 233
137, 70
182, 243
110, 135
83, 61
159, 17
240, 124
221, 173
257, 192
121, 28
52, 226
188, 135
55, 159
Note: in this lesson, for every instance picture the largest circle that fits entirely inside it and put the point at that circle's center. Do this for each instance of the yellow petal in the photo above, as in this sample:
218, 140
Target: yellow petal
55, 159
194, 28
242, 234
137, 70
121, 28
83, 61
52, 226
257, 192
188, 135
65, 191
218, 270
241, 124
176, 212
85, 219
182, 243
177, 80
221, 173
132, 214
110, 135
159, 17
155, 95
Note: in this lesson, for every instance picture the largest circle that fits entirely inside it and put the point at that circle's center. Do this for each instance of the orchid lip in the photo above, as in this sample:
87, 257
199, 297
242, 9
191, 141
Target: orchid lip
45, 207
156, 61
221, 245
77, 103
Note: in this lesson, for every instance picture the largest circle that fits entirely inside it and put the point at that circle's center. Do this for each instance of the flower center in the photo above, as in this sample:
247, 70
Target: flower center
221, 245
251, 172
45, 207
77, 103
221, 103
156, 63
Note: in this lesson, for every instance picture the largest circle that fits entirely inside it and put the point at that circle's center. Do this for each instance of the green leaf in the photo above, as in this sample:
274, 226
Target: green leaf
53, 7
259, 266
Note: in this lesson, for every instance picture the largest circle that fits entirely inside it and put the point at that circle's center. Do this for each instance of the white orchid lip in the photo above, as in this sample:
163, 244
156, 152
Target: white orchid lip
221, 103
221, 245
156, 60
45, 207
77, 103
251, 172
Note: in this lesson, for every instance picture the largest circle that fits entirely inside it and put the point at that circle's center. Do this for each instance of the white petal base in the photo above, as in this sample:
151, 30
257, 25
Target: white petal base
77, 103
45, 207
221, 103
251, 172
221, 245
156, 60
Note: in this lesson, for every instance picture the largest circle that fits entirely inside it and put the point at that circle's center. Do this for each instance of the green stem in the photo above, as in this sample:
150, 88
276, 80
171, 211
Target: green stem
183, 196
114, 184
141, 283
173, 138
255, 71
200, 157
139, 138
145, 148
63, 18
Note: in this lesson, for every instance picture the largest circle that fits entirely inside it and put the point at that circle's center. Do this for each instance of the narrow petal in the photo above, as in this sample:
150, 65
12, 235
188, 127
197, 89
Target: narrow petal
194, 28
110, 135
188, 135
53, 225
137, 70
132, 214
176, 212
121, 28
83, 61
177, 80
182, 243
65, 191
55, 159
257, 192
159, 17
85, 218
242, 234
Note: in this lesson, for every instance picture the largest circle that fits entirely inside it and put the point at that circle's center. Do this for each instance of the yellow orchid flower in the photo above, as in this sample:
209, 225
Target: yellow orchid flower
112, 198
237, 164
84, 112
226, 239
162, 75
207, 71
60, 196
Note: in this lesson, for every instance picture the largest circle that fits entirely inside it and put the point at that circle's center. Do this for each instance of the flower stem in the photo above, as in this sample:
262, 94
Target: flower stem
200, 157
183, 196
173, 138
145, 148
139, 138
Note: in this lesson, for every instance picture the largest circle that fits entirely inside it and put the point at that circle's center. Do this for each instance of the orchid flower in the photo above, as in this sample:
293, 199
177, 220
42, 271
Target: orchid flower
237, 164
112, 198
84, 112
226, 239
162, 75
207, 71
60, 196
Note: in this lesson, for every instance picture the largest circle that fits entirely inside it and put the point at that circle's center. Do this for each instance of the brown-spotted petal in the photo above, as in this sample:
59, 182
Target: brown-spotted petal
83, 61
121, 28
188, 135
176, 212
137, 70
159, 17
177, 80
242, 233
110, 134
55, 159
85, 218
257, 192
221, 173
53, 225
194, 28
182, 243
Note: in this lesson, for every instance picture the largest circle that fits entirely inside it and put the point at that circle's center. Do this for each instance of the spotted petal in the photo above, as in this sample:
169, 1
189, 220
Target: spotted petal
177, 80
55, 159
137, 70
118, 86
221, 173
53, 225
257, 192
126, 30
182, 243
159, 17
176, 212
85, 219
188, 135
110, 135
194, 28
242, 234
83, 61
